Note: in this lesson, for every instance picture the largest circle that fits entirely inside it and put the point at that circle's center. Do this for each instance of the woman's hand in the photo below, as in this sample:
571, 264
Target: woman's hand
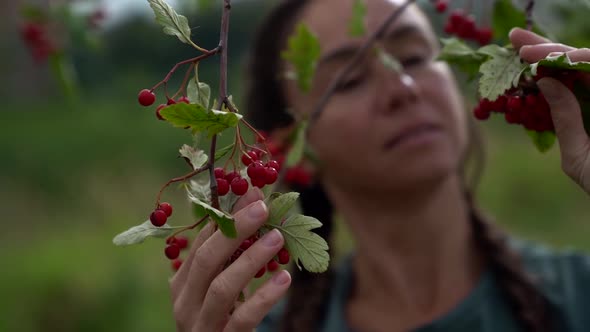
574, 143
204, 294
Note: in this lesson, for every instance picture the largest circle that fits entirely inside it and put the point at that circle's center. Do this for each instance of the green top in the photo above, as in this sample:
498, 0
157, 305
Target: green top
564, 277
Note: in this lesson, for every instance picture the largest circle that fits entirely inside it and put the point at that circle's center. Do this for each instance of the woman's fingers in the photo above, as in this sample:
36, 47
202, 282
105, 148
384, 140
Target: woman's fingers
226, 287
180, 277
250, 314
214, 253
521, 37
581, 54
535, 53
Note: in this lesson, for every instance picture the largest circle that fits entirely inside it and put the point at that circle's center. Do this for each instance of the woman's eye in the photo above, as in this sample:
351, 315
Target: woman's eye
349, 83
413, 60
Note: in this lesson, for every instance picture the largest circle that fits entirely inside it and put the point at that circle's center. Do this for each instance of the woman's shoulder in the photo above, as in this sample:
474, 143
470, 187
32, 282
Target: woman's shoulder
563, 276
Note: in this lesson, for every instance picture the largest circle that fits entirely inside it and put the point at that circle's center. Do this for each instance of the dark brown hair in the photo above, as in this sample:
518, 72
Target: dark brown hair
306, 305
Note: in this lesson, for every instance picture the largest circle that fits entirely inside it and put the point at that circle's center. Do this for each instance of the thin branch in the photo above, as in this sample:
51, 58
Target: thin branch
315, 114
178, 179
195, 59
529, 14
193, 226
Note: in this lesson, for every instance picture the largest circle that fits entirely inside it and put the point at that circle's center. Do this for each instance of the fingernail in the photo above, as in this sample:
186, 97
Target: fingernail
271, 238
257, 210
282, 277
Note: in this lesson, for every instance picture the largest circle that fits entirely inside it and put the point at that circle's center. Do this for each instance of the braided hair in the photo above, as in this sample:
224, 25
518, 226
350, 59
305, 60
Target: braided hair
266, 106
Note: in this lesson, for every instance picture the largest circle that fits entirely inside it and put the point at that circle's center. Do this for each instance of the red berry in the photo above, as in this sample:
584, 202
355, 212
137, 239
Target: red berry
158, 115
258, 182
250, 157
512, 117
514, 103
231, 175
239, 186
256, 170
181, 242
219, 173
271, 175
499, 105
262, 137
449, 28
486, 105
283, 256
274, 164
32, 32
146, 97
158, 218
183, 99
456, 17
260, 272
166, 207
272, 265
176, 264
441, 6
481, 114
172, 251
247, 243
171, 240
222, 187
484, 36
170, 101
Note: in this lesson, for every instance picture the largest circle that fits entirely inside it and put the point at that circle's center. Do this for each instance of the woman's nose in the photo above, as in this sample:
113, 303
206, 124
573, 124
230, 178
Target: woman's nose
399, 90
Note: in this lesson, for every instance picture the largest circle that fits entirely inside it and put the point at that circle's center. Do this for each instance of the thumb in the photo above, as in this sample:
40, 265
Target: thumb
566, 114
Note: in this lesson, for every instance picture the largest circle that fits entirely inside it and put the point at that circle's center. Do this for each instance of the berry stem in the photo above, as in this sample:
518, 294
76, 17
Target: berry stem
529, 14
193, 226
178, 179
316, 112
181, 63
185, 80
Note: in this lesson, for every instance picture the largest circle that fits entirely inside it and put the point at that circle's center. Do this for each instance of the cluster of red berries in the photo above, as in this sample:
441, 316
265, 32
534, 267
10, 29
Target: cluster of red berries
172, 251
232, 180
440, 5
297, 175
148, 98
463, 26
260, 174
37, 40
282, 257
526, 105
159, 216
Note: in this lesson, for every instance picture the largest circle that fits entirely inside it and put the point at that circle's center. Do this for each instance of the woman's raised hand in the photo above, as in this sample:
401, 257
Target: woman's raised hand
574, 143
204, 294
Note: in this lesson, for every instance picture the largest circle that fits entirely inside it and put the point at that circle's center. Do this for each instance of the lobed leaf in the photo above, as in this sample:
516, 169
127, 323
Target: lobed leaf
560, 62
304, 246
199, 92
356, 26
298, 147
224, 221
196, 157
279, 206
138, 234
172, 23
500, 72
458, 53
542, 140
198, 119
303, 52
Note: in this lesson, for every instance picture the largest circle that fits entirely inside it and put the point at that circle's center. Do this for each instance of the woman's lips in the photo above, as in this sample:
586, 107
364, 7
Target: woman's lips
413, 133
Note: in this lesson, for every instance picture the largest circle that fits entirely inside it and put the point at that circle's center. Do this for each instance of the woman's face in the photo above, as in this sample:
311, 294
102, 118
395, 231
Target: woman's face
382, 129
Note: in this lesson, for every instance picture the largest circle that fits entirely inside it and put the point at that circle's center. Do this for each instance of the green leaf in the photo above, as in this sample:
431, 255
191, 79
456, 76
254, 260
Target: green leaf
389, 61
304, 246
224, 221
199, 92
199, 119
542, 140
500, 72
280, 204
223, 151
138, 234
302, 52
458, 53
196, 157
173, 24
505, 17
356, 26
560, 62
298, 146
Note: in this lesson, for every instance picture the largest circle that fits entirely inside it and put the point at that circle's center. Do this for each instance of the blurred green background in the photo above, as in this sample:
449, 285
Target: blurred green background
75, 173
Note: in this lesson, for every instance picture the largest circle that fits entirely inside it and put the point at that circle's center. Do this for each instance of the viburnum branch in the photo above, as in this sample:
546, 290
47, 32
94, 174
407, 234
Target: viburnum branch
316, 112
178, 179
213, 180
529, 14
193, 226
181, 63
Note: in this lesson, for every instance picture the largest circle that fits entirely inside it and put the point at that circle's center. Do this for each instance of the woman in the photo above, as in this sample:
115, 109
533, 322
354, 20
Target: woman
392, 149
